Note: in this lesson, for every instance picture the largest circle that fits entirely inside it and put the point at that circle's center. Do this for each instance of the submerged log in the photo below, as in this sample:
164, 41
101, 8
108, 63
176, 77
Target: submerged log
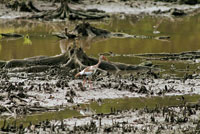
41, 60
11, 35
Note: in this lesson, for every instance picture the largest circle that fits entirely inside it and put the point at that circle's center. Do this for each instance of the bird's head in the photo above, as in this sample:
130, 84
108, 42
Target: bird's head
103, 58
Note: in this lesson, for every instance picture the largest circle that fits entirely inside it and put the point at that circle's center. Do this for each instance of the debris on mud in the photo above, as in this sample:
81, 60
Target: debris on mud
23, 6
170, 119
173, 11
93, 10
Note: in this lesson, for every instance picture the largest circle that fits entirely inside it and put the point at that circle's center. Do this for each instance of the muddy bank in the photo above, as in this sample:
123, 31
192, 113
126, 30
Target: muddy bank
145, 7
93, 8
56, 86
177, 114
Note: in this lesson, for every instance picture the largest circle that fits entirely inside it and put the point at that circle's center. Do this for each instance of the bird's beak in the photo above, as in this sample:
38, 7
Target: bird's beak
104, 58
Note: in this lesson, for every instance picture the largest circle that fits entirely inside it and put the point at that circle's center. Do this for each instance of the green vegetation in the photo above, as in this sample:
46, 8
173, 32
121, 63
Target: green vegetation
27, 40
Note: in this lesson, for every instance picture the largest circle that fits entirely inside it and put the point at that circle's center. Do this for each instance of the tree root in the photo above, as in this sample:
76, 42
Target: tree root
74, 58
64, 11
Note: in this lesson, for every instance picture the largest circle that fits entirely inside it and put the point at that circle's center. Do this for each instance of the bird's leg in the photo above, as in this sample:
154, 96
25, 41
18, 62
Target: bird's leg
84, 81
90, 83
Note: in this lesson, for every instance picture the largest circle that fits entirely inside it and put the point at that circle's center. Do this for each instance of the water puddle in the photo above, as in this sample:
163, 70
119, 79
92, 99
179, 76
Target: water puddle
105, 106
184, 35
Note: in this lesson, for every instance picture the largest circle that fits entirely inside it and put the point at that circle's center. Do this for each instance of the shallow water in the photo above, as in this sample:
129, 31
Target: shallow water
184, 33
105, 107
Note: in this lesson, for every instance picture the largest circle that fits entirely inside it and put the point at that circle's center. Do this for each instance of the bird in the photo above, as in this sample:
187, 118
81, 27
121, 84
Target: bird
90, 70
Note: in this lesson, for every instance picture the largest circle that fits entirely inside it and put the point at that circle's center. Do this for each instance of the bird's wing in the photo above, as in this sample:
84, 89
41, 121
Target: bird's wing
89, 69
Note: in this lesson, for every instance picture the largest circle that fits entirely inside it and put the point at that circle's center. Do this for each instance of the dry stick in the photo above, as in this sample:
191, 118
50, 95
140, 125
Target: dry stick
8, 109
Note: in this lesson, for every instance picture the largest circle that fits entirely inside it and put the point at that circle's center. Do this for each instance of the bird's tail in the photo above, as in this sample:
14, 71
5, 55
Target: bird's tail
78, 74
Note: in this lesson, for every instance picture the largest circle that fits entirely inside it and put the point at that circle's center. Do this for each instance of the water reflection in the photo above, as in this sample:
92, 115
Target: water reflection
184, 36
63, 47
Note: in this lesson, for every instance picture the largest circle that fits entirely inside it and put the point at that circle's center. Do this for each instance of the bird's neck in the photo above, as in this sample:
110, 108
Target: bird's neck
98, 63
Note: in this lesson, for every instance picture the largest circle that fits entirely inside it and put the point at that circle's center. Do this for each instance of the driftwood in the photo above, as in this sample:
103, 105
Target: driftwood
64, 11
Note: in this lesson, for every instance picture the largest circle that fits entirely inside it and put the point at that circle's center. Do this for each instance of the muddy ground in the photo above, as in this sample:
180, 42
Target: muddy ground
26, 92
147, 7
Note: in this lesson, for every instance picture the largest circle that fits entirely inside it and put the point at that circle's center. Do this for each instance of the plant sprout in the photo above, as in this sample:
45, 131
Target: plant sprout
27, 40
